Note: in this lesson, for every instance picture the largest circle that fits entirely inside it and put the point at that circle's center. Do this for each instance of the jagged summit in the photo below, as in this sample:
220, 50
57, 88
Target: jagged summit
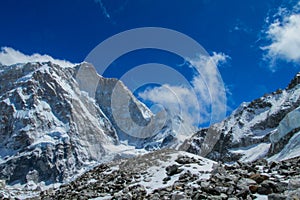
295, 81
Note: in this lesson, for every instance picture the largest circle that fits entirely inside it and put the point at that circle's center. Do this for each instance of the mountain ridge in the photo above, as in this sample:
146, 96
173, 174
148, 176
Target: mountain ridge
248, 127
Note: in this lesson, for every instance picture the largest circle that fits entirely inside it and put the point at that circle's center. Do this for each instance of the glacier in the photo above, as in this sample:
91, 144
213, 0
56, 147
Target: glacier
290, 121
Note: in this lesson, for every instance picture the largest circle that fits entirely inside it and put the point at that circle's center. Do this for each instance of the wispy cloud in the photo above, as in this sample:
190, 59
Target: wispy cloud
10, 56
110, 9
284, 37
240, 26
211, 92
193, 103
103, 8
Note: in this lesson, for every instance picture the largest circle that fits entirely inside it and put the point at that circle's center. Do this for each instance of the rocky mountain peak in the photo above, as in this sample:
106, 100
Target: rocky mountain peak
246, 134
295, 81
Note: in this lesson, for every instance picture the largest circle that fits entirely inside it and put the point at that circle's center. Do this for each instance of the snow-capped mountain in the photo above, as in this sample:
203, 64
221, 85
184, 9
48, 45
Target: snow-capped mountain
266, 127
56, 120
49, 129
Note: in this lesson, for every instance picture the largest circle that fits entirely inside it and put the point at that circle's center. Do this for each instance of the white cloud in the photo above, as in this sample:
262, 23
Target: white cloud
10, 56
194, 102
284, 34
210, 79
177, 100
285, 38
219, 58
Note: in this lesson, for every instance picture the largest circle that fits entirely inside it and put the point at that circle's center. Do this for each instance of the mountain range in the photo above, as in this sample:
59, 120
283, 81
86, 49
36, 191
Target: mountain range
267, 127
58, 122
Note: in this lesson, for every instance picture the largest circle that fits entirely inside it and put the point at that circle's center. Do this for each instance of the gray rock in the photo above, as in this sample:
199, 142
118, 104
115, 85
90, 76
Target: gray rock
167, 178
2, 184
265, 190
221, 189
173, 169
178, 197
243, 194
258, 178
294, 184
243, 183
293, 194
275, 196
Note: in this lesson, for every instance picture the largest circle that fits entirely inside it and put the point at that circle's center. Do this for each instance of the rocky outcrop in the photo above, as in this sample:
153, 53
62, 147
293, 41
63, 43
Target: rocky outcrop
294, 82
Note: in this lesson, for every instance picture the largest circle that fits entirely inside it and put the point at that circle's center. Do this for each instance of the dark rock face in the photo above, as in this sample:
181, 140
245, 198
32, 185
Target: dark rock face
17, 170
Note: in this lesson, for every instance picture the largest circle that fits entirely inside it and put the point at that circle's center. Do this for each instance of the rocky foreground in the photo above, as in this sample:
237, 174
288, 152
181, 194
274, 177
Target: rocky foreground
175, 175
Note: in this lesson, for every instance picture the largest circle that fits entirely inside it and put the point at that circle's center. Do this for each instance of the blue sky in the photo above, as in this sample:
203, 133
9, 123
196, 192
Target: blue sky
258, 37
